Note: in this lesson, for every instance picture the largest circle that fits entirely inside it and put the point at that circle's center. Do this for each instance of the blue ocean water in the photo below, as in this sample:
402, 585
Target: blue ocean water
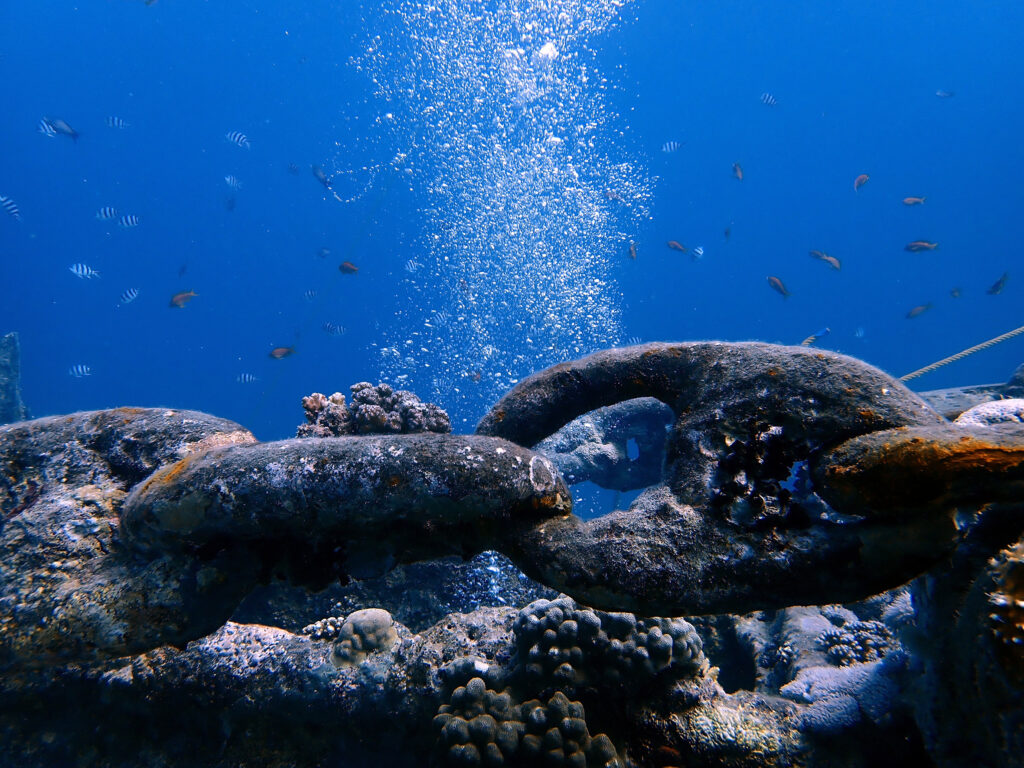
489, 165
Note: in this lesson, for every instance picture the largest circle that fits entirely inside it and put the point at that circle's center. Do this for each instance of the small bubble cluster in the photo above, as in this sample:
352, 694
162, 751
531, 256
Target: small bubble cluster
374, 410
570, 646
856, 642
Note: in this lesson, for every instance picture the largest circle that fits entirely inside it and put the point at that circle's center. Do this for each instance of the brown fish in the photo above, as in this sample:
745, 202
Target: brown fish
832, 261
913, 200
776, 284
179, 300
737, 171
727, 232
918, 310
920, 245
675, 245
348, 268
998, 285
61, 127
632, 251
280, 352
860, 181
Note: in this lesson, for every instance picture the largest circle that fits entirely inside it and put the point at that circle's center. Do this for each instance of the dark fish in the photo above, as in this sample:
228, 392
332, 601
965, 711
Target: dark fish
78, 371
83, 271
128, 221
727, 232
675, 245
229, 203
632, 251
61, 127
322, 177
777, 285
920, 245
106, 213
913, 200
117, 122
918, 310
239, 139
129, 295
280, 352
10, 207
348, 268
832, 261
246, 378
768, 100
737, 171
955, 292
182, 270
293, 169
998, 285
179, 300
323, 253
860, 181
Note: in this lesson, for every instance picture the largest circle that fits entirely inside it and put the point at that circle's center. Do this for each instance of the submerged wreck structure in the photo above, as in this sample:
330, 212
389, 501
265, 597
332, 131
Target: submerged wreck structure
822, 569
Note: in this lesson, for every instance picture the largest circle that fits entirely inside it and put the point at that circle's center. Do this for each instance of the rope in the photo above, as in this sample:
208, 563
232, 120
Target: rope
962, 355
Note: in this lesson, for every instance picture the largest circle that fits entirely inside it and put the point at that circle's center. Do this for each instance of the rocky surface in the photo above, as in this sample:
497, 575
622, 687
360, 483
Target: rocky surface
11, 406
128, 537
954, 401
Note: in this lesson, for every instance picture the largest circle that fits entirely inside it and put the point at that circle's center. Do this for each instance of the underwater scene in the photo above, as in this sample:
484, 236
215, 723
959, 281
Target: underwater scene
582, 383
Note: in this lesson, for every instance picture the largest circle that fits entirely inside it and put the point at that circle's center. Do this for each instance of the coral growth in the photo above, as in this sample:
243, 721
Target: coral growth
1006, 603
374, 410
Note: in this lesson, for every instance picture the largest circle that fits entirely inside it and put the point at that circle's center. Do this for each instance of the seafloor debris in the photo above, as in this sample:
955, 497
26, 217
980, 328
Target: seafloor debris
11, 406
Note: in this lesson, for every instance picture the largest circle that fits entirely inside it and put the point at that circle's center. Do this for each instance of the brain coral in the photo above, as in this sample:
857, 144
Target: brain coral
364, 632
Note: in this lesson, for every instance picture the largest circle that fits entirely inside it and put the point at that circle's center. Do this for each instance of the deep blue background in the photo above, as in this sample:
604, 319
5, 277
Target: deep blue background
855, 83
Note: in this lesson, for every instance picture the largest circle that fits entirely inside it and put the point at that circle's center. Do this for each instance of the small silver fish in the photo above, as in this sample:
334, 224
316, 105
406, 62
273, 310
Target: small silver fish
239, 139
79, 370
83, 271
670, 146
768, 100
129, 295
117, 122
309, 295
246, 378
412, 267
321, 176
61, 127
10, 207
233, 182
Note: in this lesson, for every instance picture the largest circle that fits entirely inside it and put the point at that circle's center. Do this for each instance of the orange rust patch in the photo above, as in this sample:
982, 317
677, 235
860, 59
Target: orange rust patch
867, 413
394, 481
499, 416
773, 372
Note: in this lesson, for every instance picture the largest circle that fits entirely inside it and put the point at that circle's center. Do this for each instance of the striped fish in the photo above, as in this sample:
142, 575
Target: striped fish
10, 207
670, 146
246, 378
239, 139
233, 182
331, 329
129, 295
83, 271
79, 370
768, 100
309, 295
46, 129
412, 267
106, 213
128, 221
117, 122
